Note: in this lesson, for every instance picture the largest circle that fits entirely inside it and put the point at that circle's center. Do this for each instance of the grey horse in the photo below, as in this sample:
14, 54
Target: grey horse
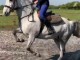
31, 27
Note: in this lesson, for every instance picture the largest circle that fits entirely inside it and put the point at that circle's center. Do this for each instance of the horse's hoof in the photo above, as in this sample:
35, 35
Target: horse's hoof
14, 33
17, 40
20, 40
37, 54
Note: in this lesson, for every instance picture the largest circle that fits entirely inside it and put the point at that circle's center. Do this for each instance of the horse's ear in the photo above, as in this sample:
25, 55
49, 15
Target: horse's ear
10, 0
76, 31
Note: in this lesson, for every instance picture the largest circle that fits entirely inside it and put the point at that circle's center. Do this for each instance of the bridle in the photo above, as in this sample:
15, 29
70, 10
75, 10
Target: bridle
16, 8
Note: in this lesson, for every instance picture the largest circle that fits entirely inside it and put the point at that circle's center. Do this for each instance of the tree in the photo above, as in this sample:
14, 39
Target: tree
1, 7
71, 5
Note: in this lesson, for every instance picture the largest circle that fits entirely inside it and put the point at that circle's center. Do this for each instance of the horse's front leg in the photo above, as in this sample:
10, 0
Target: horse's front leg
29, 44
18, 30
62, 50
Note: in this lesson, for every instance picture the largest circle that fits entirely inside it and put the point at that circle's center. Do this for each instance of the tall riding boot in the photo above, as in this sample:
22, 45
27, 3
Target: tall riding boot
49, 27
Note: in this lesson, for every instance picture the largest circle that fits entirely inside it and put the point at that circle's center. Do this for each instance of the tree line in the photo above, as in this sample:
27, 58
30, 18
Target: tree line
1, 7
71, 5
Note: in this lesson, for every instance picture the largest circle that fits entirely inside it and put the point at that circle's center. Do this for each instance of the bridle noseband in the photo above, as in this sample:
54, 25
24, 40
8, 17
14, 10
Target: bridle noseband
7, 6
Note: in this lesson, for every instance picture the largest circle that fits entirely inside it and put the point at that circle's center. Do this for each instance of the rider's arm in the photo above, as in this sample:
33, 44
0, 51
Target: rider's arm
35, 1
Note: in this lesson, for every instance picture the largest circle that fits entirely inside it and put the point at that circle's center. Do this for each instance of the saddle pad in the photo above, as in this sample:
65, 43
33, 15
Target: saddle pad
55, 18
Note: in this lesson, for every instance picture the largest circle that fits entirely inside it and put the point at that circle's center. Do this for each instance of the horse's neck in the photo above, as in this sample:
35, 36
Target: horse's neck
24, 2
25, 10
21, 14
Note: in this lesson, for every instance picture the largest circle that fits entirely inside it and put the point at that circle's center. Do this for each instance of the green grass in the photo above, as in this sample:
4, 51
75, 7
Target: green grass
71, 14
0, 11
12, 21
8, 22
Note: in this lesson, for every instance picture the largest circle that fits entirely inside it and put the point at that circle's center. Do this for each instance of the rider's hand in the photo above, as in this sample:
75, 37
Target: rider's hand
36, 1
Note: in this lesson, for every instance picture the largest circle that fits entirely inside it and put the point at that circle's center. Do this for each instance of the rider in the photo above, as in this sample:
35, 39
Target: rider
42, 6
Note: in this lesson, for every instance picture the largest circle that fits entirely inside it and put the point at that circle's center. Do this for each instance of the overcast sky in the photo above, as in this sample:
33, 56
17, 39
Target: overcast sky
52, 2
59, 2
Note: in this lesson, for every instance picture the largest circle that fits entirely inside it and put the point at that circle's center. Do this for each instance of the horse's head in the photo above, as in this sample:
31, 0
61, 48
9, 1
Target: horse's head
8, 7
76, 31
12, 5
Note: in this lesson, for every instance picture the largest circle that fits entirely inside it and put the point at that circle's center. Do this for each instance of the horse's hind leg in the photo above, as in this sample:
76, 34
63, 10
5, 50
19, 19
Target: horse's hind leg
30, 42
61, 46
62, 50
18, 30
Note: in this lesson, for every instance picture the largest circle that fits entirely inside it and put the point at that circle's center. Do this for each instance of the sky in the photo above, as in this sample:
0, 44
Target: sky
60, 2
52, 2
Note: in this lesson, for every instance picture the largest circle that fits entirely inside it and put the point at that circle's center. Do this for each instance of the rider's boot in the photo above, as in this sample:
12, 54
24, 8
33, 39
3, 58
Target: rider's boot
41, 29
49, 27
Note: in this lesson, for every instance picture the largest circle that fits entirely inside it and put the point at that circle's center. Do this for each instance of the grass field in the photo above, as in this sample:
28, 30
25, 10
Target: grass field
9, 22
0, 11
12, 21
71, 14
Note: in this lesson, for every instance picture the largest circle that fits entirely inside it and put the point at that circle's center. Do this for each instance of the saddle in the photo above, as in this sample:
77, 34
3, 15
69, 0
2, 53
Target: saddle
52, 17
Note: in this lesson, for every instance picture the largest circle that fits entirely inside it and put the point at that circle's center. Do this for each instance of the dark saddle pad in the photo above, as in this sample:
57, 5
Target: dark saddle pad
53, 18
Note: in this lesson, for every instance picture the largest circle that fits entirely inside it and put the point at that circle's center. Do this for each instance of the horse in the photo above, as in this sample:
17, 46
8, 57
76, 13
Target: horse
29, 24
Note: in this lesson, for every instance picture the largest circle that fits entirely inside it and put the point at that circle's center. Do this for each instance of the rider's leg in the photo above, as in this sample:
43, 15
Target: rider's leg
44, 20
